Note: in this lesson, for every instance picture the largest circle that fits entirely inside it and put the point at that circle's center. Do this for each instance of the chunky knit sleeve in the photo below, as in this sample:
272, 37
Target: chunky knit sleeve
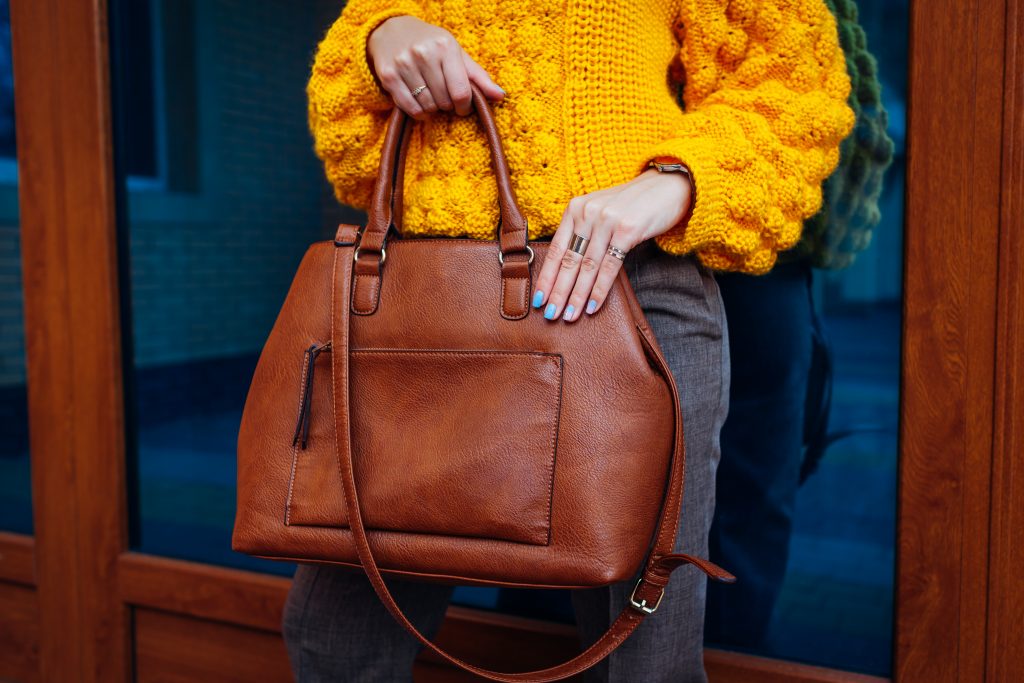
834, 236
348, 109
765, 90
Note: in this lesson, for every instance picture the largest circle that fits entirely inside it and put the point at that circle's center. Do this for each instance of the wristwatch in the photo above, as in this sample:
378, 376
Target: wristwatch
669, 165
673, 165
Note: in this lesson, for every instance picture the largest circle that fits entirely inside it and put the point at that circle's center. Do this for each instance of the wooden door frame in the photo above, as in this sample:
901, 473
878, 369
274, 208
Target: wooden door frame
961, 494
960, 296
1004, 655
73, 334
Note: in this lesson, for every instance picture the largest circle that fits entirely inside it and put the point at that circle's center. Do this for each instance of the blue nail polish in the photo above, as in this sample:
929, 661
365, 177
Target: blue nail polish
592, 306
538, 298
549, 312
568, 312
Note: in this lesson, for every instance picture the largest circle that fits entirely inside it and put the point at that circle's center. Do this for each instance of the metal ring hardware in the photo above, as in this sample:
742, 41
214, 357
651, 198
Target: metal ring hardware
501, 256
383, 254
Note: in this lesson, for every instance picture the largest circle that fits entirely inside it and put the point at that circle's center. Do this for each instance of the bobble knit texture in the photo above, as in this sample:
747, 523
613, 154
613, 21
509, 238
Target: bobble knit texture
592, 97
835, 235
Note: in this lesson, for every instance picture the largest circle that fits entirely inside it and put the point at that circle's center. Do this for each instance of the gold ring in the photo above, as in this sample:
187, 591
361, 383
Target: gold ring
418, 90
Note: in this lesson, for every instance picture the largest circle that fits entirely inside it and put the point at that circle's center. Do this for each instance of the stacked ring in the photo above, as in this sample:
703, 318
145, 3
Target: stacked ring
616, 252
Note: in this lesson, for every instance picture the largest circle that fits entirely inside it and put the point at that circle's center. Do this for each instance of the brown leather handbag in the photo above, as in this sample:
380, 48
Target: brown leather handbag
453, 433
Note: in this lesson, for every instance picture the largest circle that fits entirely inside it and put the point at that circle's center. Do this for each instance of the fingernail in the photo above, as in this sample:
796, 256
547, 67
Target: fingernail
591, 306
568, 312
501, 89
538, 298
549, 312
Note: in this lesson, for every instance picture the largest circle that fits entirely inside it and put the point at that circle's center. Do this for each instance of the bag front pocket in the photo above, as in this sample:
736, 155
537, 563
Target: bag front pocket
447, 442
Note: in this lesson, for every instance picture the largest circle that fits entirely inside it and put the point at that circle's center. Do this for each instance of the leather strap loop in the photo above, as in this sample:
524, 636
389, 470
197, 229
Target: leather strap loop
659, 565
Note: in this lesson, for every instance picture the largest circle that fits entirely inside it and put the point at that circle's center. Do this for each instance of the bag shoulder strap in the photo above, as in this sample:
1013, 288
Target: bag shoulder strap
659, 565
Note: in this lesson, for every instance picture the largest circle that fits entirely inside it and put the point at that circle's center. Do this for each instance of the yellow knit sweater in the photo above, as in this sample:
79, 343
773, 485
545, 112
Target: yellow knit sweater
592, 96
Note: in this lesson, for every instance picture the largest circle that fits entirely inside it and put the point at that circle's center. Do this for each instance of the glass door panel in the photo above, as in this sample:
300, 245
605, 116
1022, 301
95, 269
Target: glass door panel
221, 194
15, 482
807, 485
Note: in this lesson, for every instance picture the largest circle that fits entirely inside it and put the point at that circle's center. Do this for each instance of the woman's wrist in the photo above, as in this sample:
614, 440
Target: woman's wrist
675, 184
369, 38
371, 43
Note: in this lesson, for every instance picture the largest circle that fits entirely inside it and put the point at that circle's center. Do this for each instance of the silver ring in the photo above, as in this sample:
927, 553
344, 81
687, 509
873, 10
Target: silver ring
578, 243
616, 252
418, 90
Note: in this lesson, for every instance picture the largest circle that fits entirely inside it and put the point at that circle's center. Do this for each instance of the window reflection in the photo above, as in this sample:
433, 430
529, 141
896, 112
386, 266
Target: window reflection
7, 146
222, 194
15, 481
807, 484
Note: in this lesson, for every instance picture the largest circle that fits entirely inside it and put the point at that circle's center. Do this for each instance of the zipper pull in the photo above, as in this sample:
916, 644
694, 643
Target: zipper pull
301, 434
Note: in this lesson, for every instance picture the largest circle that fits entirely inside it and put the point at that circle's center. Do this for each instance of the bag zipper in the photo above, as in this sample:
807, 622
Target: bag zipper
301, 435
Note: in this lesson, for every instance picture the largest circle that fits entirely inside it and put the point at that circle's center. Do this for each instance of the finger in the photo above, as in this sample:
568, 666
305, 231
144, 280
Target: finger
428, 59
619, 226
609, 270
399, 91
590, 268
411, 76
424, 98
570, 265
483, 80
552, 256
457, 81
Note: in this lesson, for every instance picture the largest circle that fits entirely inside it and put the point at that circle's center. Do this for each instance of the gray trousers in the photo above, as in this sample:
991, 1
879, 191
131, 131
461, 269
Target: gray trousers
336, 630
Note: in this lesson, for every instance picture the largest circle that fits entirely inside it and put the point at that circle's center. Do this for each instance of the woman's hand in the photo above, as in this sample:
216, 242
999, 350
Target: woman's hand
622, 216
407, 53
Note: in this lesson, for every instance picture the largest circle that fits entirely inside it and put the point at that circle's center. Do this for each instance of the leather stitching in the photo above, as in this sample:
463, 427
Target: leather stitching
556, 423
455, 352
557, 404
373, 294
504, 311
295, 448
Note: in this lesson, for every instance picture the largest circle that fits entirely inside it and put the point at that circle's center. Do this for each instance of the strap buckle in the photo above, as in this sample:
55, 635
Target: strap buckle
642, 605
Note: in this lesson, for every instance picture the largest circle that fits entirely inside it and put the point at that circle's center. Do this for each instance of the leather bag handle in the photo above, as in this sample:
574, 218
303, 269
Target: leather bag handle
513, 227
385, 212
659, 565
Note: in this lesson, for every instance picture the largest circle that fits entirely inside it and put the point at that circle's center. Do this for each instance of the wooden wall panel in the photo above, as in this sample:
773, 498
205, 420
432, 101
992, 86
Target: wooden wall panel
503, 642
73, 333
16, 559
204, 591
19, 633
247, 606
732, 667
171, 648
